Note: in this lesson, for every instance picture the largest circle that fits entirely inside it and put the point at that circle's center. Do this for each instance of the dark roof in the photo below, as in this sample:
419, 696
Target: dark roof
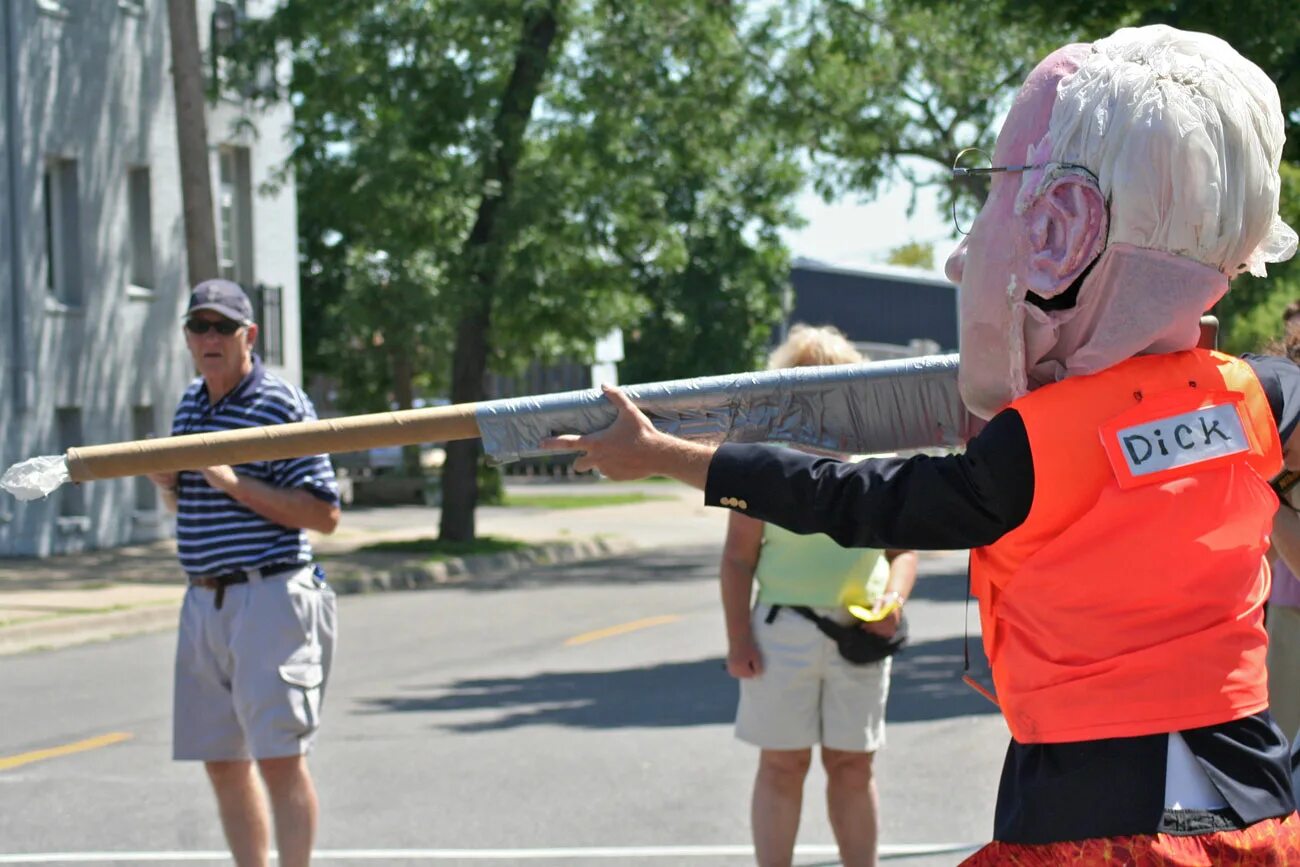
877, 305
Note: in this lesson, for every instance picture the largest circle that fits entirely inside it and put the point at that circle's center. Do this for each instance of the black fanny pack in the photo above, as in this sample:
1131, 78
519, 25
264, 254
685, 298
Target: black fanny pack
855, 644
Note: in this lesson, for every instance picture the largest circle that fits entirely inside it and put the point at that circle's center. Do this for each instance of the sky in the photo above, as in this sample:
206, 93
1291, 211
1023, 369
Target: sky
852, 233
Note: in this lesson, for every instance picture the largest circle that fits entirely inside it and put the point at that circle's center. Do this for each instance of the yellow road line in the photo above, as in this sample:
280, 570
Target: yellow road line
7, 762
622, 628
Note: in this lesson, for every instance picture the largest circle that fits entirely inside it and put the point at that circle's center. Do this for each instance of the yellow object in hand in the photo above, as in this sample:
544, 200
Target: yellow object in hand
868, 600
872, 615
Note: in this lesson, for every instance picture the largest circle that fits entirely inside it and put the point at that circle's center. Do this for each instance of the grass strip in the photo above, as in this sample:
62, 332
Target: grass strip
580, 501
439, 549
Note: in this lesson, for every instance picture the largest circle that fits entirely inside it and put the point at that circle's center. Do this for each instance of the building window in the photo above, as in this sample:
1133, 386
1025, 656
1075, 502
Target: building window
141, 227
270, 321
62, 231
235, 243
72, 498
142, 428
52, 8
236, 81
235, 213
226, 25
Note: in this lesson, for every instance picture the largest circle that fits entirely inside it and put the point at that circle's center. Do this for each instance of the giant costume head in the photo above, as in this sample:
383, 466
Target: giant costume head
1153, 181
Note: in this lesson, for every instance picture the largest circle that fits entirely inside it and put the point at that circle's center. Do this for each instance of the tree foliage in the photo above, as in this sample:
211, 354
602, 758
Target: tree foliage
905, 84
484, 183
487, 183
1268, 33
913, 254
1265, 31
874, 89
1251, 312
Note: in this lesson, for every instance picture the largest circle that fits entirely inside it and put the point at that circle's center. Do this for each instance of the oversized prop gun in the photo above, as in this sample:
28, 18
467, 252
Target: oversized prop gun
875, 407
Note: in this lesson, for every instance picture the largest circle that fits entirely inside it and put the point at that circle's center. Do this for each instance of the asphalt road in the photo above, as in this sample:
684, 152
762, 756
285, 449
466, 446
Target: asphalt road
578, 715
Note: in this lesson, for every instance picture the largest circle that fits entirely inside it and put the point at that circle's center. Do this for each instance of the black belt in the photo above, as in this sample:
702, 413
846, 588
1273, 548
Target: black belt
219, 583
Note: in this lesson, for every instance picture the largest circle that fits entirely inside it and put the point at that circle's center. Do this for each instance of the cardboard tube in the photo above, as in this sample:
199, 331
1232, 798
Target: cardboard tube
347, 434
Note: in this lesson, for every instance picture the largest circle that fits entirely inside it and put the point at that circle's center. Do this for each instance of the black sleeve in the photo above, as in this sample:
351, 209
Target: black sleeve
955, 501
1281, 380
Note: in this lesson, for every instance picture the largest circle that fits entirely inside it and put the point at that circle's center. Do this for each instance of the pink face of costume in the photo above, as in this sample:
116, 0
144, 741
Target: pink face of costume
992, 264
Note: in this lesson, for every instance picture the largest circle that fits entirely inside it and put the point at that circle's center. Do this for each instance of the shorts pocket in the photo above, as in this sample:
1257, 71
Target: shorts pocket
312, 605
306, 675
306, 678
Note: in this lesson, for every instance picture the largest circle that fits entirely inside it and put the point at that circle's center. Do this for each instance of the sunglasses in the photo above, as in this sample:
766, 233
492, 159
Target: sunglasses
202, 326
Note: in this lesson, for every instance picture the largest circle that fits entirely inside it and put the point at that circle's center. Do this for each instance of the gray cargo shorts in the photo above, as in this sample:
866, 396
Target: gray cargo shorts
250, 676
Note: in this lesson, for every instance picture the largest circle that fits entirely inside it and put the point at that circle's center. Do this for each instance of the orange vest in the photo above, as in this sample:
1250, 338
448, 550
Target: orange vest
1130, 600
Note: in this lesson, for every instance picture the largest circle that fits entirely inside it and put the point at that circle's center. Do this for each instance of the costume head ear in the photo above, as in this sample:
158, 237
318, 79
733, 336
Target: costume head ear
1066, 224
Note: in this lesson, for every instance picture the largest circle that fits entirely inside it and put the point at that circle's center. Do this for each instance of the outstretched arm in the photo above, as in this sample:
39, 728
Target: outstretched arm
954, 501
631, 448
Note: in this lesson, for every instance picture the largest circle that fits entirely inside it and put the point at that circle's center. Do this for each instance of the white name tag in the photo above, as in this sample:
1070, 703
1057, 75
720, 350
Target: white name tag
1179, 441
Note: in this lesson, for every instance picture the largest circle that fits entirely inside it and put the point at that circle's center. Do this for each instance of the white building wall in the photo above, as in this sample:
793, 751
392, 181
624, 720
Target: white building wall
8, 349
93, 84
275, 205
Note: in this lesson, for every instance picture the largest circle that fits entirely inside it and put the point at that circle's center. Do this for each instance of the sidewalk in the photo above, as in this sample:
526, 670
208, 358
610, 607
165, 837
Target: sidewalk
72, 599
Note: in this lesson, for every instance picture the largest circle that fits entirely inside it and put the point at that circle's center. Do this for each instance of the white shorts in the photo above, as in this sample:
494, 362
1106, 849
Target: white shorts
250, 675
808, 694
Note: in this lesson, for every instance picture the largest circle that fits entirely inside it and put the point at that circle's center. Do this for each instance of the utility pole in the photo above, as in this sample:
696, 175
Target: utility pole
192, 141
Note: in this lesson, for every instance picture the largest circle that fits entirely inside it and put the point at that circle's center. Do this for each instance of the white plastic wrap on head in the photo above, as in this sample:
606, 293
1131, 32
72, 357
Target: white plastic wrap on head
35, 477
1185, 136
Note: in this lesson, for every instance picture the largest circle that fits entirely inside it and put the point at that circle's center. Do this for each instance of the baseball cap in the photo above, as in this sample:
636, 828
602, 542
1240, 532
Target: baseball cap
221, 296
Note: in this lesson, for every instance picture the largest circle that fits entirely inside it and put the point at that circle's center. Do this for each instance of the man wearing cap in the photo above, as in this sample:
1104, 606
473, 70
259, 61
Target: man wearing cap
257, 624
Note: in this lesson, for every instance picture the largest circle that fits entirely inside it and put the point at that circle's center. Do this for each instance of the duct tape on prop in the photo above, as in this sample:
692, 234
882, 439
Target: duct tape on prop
871, 408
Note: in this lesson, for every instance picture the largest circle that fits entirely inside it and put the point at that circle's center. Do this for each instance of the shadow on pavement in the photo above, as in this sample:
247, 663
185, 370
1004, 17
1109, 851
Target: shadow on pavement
671, 694
926, 683
946, 586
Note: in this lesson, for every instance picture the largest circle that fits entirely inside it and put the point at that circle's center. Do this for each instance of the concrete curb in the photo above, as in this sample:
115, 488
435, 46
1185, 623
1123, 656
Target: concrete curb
81, 628
413, 574
400, 573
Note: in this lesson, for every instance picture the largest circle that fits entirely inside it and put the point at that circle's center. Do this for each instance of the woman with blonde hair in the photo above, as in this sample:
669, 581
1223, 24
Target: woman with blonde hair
796, 690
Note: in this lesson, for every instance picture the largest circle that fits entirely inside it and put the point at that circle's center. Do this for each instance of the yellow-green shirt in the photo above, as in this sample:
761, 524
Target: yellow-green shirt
814, 570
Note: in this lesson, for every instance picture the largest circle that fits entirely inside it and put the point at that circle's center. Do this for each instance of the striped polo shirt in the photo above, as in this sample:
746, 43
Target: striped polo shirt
216, 534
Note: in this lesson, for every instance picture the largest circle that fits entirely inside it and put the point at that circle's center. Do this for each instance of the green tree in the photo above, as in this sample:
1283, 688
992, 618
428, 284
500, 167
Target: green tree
874, 86
487, 183
1251, 313
721, 182
481, 269
1265, 31
383, 319
875, 89
913, 254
